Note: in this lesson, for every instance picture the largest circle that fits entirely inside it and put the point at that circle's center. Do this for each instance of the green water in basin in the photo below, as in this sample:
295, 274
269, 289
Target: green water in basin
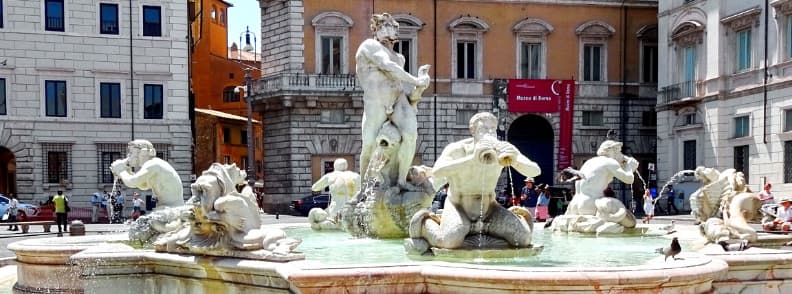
560, 250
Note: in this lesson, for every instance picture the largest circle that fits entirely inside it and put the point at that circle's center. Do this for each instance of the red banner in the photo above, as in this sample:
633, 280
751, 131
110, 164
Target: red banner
565, 130
548, 96
535, 95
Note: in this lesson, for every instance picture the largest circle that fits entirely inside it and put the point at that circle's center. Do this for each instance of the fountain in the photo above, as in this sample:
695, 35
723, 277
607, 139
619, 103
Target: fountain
215, 243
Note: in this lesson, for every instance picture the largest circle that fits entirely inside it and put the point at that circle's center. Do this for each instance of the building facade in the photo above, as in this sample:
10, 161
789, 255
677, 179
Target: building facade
725, 99
311, 104
81, 78
217, 78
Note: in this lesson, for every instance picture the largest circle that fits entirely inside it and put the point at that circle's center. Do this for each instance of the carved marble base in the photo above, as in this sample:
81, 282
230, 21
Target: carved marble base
261, 254
384, 213
486, 253
586, 224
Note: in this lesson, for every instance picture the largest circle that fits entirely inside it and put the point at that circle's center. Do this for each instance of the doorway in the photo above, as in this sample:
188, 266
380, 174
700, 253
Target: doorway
533, 136
7, 171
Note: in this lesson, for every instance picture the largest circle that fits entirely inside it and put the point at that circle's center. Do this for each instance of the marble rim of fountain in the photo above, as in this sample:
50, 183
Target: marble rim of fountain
57, 250
696, 272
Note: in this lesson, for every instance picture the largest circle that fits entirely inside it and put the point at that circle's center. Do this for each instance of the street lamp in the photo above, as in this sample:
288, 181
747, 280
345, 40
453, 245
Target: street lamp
251, 147
247, 47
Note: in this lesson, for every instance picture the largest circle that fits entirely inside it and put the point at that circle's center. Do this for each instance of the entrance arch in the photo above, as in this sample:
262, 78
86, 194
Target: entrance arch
533, 136
7, 171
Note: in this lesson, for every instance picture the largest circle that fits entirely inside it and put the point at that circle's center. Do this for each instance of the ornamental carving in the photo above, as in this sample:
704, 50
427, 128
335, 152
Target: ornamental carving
783, 6
743, 20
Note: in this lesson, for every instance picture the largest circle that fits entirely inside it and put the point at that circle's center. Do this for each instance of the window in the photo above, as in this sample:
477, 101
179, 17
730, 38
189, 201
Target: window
152, 101
331, 30
530, 60
1, 14
743, 50
649, 64
106, 154
226, 135
226, 159
741, 127
403, 47
649, 118
221, 19
331, 55
789, 37
332, 116
108, 19
162, 150
3, 109
592, 62
213, 14
788, 162
110, 100
243, 135
229, 95
54, 19
741, 160
531, 47
466, 41
689, 155
592, 118
243, 161
463, 116
56, 162
152, 21
55, 98
690, 63
466, 60
787, 119
689, 119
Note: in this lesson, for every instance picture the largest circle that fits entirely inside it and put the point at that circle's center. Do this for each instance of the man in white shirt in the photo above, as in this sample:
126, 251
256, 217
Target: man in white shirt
783, 217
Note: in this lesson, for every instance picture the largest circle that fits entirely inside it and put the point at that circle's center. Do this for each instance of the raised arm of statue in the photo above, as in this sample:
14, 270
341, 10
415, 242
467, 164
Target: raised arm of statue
624, 173
322, 183
138, 179
415, 95
378, 56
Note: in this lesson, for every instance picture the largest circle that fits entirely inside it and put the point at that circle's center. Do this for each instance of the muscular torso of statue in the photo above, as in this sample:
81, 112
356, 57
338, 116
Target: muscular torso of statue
380, 91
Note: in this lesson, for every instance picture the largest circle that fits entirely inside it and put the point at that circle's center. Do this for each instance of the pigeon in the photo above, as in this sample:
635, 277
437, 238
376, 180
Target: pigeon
739, 246
672, 250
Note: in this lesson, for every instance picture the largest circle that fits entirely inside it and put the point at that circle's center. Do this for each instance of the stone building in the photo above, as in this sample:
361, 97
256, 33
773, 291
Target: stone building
311, 104
217, 75
81, 78
725, 98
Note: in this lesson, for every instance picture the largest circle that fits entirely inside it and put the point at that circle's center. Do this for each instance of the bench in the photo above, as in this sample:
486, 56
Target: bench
26, 225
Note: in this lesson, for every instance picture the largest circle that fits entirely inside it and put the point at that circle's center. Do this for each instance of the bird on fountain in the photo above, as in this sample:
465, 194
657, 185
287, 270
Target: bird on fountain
672, 250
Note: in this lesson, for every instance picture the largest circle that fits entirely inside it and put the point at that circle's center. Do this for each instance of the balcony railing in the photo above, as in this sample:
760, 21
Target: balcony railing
678, 91
306, 84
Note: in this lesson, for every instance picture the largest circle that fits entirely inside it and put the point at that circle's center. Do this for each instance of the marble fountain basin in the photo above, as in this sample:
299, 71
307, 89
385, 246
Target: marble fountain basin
336, 263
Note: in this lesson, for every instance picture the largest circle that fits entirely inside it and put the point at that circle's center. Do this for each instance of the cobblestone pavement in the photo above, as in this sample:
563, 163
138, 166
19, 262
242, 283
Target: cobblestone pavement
8, 237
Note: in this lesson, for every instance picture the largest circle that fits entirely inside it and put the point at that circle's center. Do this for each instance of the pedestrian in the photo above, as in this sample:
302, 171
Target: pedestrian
670, 204
766, 196
96, 203
109, 206
648, 206
528, 195
61, 202
783, 216
136, 203
12, 212
542, 203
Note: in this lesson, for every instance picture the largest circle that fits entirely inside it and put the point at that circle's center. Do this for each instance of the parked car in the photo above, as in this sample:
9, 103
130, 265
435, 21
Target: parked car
304, 205
25, 211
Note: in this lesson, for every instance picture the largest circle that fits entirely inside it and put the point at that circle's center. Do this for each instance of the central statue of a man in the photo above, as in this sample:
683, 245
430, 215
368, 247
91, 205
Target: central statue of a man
390, 95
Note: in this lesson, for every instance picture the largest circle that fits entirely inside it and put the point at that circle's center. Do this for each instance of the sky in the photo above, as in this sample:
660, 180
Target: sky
244, 13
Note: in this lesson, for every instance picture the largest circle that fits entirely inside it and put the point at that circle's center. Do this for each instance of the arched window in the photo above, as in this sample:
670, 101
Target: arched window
213, 14
531, 50
331, 39
221, 19
409, 25
467, 35
593, 37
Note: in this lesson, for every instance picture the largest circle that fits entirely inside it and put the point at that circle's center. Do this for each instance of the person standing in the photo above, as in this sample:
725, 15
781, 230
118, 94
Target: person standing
542, 203
136, 206
528, 195
109, 205
12, 212
96, 202
766, 196
61, 202
671, 199
648, 206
